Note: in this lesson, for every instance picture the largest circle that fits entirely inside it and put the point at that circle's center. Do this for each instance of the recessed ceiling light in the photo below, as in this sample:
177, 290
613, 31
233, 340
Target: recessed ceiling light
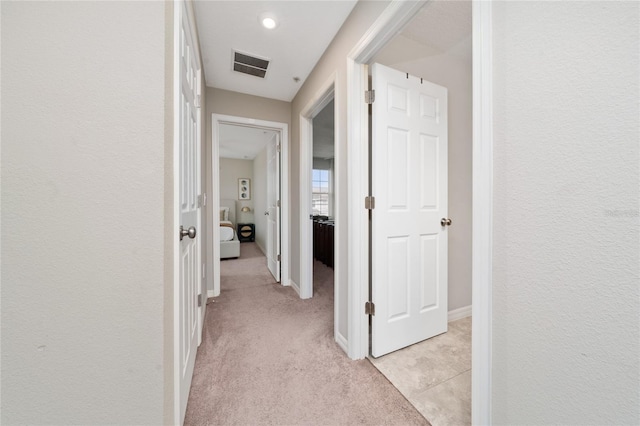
268, 21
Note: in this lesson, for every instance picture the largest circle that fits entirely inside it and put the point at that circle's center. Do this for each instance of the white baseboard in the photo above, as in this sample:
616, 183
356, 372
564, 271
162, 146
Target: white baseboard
295, 286
262, 249
342, 342
459, 313
210, 293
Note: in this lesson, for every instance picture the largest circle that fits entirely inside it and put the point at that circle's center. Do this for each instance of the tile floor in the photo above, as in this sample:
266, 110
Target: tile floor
435, 375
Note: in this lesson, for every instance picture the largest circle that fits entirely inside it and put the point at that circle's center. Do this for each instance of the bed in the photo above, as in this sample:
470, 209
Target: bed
229, 243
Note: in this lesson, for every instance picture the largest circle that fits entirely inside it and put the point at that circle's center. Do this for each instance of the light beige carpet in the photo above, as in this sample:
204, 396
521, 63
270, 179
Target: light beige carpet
269, 358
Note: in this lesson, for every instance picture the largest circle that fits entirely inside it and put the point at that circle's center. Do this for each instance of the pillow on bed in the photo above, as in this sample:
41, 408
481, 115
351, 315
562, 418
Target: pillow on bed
224, 213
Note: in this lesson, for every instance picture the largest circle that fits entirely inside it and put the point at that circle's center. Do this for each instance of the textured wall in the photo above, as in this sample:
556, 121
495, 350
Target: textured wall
566, 223
238, 104
454, 73
83, 104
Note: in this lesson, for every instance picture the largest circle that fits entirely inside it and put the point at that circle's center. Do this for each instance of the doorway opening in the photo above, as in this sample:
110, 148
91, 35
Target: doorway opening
250, 172
477, 152
320, 220
323, 201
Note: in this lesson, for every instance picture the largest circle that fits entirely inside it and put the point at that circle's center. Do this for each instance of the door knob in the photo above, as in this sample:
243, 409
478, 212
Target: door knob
191, 232
266, 213
445, 222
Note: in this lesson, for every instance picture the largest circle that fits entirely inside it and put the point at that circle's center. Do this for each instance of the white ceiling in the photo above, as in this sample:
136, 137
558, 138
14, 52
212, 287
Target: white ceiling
241, 142
305, 29
443, 25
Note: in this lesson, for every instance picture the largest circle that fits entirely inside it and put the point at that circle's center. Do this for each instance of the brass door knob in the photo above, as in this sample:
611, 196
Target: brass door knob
445, 222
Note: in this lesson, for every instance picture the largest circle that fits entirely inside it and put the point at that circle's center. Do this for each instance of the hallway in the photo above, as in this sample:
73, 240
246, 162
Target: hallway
269, 357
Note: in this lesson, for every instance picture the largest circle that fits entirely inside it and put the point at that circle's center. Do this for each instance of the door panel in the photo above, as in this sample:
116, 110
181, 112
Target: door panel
189, 251
409, 182
273, 210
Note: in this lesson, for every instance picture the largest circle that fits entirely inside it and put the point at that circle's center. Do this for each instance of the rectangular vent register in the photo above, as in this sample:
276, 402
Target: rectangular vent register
251, 65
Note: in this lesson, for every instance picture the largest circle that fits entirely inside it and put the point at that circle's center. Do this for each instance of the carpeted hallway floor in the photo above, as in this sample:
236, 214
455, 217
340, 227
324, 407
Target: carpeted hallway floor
269, 358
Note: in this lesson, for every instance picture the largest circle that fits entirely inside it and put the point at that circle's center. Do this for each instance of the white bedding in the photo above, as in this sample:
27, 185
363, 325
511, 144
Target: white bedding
226, 233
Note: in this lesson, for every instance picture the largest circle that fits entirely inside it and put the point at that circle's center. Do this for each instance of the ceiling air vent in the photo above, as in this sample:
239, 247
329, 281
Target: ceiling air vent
249, 64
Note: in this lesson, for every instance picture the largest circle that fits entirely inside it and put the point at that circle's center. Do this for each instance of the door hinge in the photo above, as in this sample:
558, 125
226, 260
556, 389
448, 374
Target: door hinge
369, 203
278, 147
369, 308
278, 203
369, 96
278, 258
199, 300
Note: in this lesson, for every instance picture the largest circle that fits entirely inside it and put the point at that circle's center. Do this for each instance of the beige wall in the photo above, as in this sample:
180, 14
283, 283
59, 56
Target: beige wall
332, 61
220, 101
231, 170
452, 71
566, 237
83, 212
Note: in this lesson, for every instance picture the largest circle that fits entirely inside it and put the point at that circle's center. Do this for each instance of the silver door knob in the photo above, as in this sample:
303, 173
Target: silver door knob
445, 222
191, 232
266, 213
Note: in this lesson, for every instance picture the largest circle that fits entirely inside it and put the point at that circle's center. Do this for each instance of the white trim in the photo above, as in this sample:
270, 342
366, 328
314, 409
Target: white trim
320, 100
306, 230
459, 313
283, 128
482, 215
295, 286
392, 19
327, 92
342, 342
210, 294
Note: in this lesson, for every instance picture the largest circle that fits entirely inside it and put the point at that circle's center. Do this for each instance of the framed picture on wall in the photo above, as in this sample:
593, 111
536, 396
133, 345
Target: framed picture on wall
244, 189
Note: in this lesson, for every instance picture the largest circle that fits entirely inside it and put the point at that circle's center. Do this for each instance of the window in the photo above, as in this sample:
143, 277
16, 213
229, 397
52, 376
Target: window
320, 192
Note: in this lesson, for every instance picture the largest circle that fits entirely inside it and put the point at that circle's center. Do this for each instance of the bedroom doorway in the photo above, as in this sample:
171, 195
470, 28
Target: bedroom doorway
323, 194
242, 201
321, 154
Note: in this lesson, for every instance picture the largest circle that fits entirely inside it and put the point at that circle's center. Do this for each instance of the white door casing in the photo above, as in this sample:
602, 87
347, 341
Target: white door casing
273, 210
409, 182
317, 103
283, 129
189, 286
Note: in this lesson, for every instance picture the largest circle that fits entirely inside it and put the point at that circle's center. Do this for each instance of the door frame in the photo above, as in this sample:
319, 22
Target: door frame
392, 20
308, 113
214, 219
328, 91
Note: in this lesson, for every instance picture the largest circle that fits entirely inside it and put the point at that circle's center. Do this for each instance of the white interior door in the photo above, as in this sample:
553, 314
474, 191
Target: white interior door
189, 247
273, 208
409, 183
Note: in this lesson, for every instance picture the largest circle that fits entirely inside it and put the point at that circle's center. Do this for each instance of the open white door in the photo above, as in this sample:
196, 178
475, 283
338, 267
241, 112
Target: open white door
188, 155
409, 182
273, 208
